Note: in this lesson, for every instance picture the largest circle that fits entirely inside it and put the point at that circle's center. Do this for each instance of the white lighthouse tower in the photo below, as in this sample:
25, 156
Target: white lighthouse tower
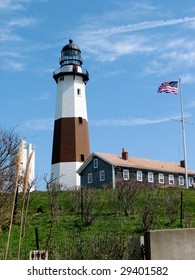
70, 138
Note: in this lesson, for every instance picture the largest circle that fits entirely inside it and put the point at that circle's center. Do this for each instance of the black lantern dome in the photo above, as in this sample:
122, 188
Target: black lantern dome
71, 63
71, 55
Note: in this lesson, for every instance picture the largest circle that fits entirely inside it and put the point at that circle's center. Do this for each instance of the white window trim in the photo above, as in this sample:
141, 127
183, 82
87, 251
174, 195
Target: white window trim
95, 163
139, 176
190, 181
161, 178
125, 174
102, 175
181, 180
150, 177
89, 178
171, 179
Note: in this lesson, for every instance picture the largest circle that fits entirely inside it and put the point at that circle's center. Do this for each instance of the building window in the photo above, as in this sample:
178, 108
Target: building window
89, 178
125, 174
190, 181
150, 177
82, 157
61, 79
139, 176
78, 91
181, 180
80, 120
102, 175
161, 178
95, 163
171, 179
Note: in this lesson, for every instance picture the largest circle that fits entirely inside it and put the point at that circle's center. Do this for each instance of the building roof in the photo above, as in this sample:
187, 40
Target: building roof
138, 163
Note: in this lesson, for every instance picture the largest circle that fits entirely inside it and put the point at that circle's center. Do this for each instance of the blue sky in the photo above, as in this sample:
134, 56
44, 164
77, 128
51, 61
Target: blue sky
129, 48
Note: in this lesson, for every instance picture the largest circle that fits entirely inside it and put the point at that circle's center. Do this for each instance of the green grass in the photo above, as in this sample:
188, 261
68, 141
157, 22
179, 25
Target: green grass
106, 236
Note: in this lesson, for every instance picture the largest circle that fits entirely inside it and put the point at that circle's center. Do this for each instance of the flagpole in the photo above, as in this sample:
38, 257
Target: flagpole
183, 135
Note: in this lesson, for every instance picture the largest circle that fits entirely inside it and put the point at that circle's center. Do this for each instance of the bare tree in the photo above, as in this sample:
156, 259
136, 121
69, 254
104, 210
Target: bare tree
75, 200
82, 200
53, 190
172, 204
88, 200
150, 208
126, 193
9, 146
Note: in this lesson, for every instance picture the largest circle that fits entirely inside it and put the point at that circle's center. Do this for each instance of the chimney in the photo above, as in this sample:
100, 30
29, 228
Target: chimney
182, 163
124, 154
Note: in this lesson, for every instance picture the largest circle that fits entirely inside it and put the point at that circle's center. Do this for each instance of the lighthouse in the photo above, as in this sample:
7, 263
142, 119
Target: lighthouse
70, 137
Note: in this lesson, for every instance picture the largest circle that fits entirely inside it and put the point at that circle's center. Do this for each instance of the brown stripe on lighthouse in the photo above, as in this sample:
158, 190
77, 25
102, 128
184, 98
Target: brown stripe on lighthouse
70, 140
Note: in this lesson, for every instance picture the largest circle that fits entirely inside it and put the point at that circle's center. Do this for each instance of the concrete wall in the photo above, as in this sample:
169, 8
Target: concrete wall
178, 244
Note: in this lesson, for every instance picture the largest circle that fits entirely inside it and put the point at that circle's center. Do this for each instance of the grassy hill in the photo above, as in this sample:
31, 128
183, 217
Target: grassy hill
95, 224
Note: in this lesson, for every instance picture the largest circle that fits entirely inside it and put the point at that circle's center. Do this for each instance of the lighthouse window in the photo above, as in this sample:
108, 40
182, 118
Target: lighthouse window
78, 91
61, 78
82, 157
80, 120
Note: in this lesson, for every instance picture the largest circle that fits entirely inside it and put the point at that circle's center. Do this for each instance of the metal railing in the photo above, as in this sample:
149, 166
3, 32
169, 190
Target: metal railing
70, 68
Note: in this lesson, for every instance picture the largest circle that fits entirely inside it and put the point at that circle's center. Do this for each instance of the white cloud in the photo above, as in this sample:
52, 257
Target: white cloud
176, 56
109, 49
109, 43
7, 35
11, 21
13, 66
190, 25
22, 22
191, 103
13, 54
39, 124
122, 12
131, 121
44, 96
142, 7
140, 26
10, 5
180, 56
113, 73
15, 5
188, 78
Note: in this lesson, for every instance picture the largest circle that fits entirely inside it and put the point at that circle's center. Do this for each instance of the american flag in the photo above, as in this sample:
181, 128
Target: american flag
168, 87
